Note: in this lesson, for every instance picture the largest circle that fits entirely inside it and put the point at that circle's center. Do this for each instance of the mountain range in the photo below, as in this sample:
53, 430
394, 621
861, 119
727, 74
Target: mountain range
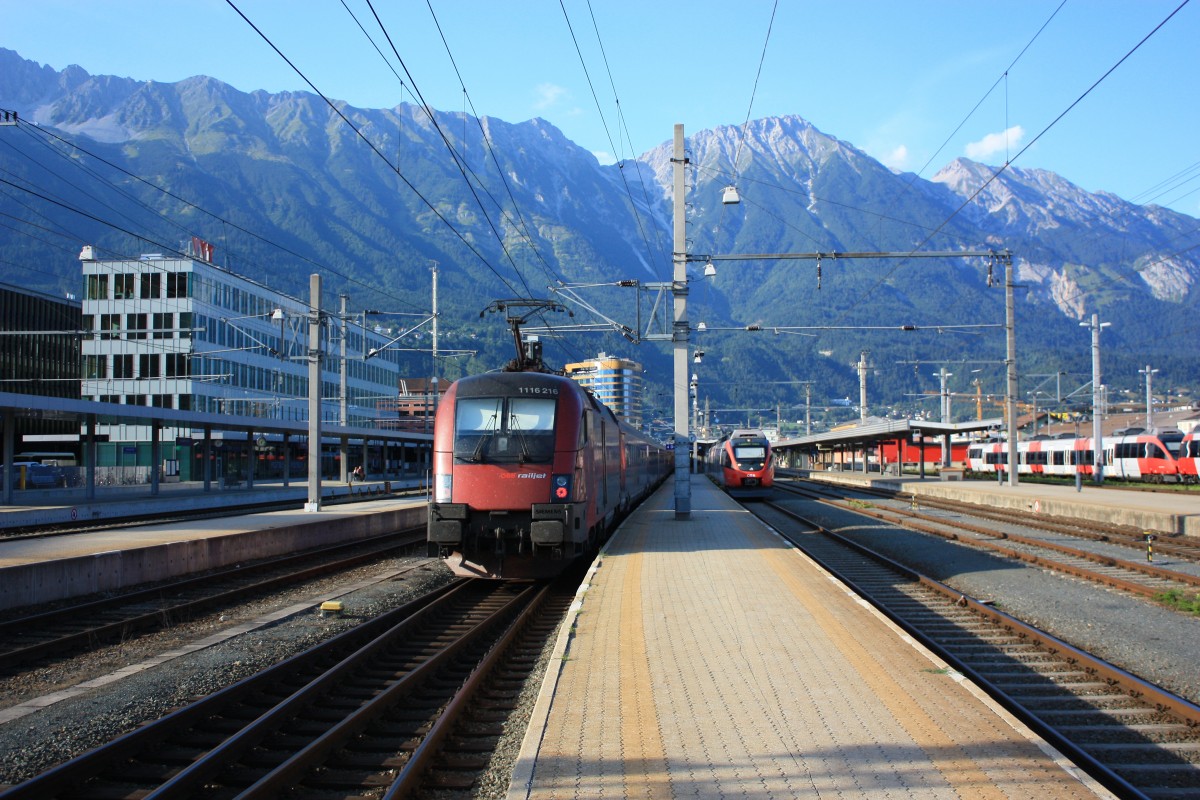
288, 184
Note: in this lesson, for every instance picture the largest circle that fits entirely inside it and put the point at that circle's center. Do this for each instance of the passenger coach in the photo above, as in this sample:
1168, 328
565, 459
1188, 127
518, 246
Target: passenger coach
1132, 455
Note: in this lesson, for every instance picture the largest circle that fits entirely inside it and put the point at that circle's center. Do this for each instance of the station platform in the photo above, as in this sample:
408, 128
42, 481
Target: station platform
60, 506
707, 658
48, 569
1170, 513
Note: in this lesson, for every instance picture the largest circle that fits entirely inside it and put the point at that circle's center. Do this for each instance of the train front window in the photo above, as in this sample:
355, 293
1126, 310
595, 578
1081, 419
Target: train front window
498, 429
748, 456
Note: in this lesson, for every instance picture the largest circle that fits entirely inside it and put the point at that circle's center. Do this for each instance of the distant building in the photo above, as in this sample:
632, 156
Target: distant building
414, 405
183, 333
39, 354
616, 382
39, 348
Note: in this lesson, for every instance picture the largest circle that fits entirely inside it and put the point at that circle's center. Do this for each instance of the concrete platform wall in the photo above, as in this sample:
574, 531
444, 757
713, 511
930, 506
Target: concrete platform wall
49, 581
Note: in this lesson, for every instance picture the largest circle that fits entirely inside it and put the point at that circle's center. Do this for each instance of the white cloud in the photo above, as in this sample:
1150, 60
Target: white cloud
995, 143
548, 96
897, 158
604, 158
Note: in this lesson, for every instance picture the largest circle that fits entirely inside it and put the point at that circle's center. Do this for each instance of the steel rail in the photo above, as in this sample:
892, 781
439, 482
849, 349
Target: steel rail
1150, 696
68, 776
75, 615
905, 518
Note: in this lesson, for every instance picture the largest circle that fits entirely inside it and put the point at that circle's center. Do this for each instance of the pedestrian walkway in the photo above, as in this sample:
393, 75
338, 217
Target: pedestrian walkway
706, 658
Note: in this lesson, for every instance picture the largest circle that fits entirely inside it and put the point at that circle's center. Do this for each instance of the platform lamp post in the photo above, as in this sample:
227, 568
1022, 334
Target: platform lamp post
679, 329
944, 376
1149, 398
343, 400
314, 394
1097, 399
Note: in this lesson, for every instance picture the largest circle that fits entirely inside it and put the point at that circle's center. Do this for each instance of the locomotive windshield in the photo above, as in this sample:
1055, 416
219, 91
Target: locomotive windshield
749, 454
504, 429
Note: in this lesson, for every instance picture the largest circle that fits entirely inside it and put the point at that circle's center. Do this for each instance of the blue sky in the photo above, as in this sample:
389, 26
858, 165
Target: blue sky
893, 78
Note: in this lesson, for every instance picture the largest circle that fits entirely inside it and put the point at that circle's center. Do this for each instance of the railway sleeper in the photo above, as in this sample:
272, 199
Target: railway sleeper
1137, 733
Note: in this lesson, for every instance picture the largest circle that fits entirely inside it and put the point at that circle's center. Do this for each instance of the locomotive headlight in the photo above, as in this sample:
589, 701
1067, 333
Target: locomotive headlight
560, 488
443, 485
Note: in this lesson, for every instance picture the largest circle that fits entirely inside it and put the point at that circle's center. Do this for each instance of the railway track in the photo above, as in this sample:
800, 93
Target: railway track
1136, 738
359, 715
77, 627
1099, 561
1120, 535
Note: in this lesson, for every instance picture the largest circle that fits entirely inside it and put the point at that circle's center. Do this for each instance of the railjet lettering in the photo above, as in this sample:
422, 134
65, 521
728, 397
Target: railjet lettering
526, 475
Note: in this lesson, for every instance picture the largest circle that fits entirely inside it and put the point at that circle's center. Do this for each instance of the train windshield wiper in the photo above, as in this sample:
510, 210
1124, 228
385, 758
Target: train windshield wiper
484, 437
515, 426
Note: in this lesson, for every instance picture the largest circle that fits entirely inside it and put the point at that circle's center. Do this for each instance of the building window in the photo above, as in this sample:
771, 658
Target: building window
123, 286
136, 325
151, 285
122, 366
110, 326
150, 365
164, 325
97, 287
185, 325
95, 367
178, 284
178, 365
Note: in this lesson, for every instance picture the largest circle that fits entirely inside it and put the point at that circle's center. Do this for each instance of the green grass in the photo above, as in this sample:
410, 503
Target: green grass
1180, 601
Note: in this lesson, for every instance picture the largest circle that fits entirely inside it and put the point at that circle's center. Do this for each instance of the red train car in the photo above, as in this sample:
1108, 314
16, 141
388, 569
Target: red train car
531, 472
1188, 458
1132, 455
742, 464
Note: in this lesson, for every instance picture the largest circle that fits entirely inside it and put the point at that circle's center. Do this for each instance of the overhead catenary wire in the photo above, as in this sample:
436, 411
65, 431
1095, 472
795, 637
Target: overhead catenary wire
658, 247
745, 124
523, 226
754, 89
463, 164
455, 157
189, 204
604, 121
441, 217
459, 161
970, 199
1002, 77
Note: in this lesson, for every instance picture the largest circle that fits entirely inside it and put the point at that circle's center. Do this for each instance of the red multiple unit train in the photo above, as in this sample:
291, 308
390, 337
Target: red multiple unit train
742, 464
1188, 458
1133, 455
531, 472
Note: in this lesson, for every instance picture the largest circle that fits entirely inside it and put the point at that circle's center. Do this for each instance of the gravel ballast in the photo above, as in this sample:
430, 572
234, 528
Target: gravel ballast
1153, 642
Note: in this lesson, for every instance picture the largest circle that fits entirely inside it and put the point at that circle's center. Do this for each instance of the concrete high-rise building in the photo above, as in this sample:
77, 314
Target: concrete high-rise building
616, 382
180, 332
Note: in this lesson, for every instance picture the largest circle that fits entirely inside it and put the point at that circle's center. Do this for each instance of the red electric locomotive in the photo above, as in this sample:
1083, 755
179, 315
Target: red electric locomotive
742, 464
531, 472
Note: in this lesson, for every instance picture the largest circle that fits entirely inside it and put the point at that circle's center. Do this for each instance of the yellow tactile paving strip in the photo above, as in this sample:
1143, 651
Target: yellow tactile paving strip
707, 659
